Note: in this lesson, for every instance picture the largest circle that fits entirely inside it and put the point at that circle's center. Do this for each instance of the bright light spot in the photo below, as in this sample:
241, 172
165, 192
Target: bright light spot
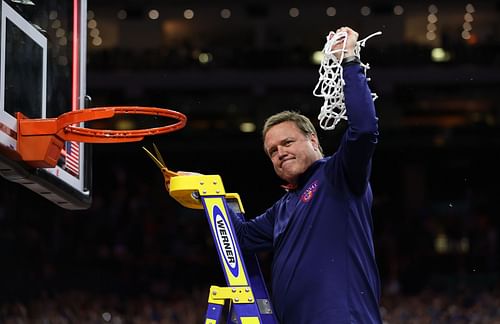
122, 14
433, 9
468, 17
56, 24
470, 8
441, 243
106, 316
188, 14
92, 23
398, 10
430, 36
317, 57
366, 11
472, 39
124, 124
439, 55
294, 12
432, 18
467, 26
94, 32
465, 34
153, 14
331, 11
97, 41
225, 13
431, 27
205, 58
247, 127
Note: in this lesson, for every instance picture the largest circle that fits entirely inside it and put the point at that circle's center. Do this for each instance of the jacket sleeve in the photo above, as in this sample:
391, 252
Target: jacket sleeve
353, 158
256, 234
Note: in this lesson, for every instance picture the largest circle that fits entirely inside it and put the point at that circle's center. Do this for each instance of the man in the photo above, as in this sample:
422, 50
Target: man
320, 231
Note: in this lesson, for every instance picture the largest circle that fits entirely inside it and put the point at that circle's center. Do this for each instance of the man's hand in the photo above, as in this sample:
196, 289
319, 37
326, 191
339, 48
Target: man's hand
352, 38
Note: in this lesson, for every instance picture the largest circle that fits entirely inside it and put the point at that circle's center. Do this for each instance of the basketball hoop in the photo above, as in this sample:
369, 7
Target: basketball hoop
40, 141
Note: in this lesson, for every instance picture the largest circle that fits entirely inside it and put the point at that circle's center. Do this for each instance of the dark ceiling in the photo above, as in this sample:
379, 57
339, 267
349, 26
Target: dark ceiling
258, 60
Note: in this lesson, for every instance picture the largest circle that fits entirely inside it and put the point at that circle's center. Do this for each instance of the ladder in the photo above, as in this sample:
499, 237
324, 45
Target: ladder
246, 294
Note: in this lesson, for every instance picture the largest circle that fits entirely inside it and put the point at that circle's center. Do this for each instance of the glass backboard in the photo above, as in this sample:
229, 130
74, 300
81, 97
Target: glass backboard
43, 75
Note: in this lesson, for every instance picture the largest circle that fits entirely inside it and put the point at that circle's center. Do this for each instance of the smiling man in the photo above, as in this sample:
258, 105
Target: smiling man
292, 145
320, 231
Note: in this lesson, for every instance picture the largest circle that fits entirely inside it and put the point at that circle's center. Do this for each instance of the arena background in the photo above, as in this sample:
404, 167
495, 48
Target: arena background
138, 256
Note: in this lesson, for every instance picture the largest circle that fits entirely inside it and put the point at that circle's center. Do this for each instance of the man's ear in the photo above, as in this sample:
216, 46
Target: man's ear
314, 140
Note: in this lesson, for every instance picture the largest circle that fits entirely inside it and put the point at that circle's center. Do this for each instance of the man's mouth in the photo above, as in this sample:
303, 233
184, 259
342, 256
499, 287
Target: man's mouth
285, 161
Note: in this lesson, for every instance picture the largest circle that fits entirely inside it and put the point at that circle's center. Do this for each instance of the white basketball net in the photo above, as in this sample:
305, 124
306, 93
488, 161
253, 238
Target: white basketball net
330, 85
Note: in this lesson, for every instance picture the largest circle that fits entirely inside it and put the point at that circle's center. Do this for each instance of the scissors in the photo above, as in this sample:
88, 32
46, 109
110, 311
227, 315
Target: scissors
158, 159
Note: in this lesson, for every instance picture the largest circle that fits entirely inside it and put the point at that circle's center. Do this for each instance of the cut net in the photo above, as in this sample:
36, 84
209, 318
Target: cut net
330, 85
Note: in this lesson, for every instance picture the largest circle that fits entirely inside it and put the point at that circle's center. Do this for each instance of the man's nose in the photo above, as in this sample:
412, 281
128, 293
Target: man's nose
281, 151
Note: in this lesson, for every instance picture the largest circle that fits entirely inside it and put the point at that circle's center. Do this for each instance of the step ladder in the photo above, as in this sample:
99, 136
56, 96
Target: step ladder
245, 292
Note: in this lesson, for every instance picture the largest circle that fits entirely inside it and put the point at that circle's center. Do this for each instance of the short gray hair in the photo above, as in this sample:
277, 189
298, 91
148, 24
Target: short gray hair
303, 123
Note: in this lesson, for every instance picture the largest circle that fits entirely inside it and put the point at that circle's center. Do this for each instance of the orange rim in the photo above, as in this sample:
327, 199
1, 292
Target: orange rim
67, 121
41, 141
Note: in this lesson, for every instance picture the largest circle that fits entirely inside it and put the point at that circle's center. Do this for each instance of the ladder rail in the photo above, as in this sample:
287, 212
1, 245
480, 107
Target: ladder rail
246, 292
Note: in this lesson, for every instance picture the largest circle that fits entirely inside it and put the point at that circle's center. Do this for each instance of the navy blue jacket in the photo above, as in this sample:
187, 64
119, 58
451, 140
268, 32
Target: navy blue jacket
324, 268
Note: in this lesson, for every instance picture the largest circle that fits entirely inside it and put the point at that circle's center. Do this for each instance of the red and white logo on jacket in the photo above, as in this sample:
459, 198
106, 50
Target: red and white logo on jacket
309, 192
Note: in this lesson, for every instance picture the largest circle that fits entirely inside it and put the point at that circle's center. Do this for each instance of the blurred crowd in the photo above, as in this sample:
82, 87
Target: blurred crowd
189, 308
137, 256
82, 307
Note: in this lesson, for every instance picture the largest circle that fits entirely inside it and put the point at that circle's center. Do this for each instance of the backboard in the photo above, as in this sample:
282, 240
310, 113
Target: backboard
43, 75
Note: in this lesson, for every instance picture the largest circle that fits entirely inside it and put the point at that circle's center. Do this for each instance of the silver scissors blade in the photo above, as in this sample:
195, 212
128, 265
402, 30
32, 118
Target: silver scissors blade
160, 163
155, 160
158, 154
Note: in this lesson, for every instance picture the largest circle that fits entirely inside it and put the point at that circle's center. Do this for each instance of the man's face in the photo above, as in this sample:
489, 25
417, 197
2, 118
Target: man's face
291, 151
